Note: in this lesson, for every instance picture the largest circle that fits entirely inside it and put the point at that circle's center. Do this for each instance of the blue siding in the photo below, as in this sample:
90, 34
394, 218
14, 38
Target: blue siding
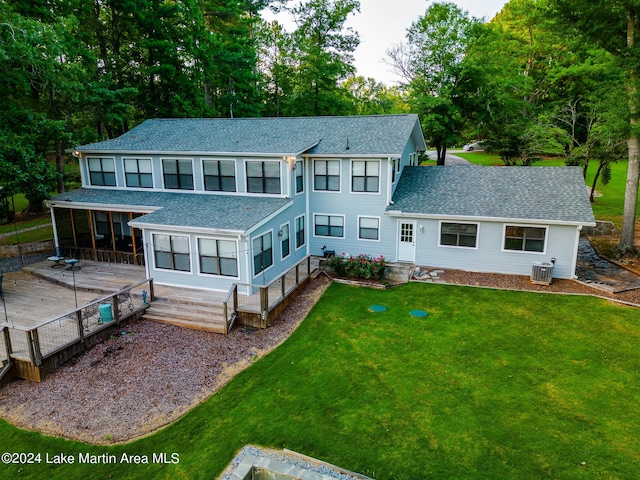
489, 255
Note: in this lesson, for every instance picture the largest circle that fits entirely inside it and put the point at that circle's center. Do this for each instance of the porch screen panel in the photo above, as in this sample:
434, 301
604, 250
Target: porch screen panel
64, 227
82, 228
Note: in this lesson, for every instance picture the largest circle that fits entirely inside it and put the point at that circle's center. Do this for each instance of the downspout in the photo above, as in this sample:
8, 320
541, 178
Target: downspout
574, 262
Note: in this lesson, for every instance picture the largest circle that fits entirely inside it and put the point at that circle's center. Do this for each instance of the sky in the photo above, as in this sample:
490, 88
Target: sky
384, 23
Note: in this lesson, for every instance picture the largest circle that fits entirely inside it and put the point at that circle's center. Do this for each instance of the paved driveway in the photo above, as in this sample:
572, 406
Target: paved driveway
451, 159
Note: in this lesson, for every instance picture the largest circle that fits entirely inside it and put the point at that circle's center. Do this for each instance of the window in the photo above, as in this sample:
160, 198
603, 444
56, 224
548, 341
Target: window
218, 257
137, 172
262, 253
219, 175
326, 175
102, 172
365, 176
458, 234
329, 226
528, 239
263, 177
178, 174
299, 176
171, 252
299, 231
284, 240
393, 169
368, 228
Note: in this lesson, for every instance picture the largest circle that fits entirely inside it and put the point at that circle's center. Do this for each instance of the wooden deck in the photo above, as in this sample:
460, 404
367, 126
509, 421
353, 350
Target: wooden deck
188, 307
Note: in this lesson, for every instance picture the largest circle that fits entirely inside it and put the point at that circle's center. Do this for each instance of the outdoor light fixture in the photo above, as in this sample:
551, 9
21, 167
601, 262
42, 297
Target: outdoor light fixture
280, 234
291, 160
76, 154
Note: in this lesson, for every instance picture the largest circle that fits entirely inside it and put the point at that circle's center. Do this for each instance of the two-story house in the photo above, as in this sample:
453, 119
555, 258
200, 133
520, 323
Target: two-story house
206, 203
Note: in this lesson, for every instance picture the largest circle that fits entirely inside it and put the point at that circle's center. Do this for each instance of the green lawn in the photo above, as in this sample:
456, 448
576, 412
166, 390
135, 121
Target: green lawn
492, 384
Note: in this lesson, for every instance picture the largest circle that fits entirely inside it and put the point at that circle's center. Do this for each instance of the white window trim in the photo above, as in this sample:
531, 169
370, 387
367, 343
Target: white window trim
172, 271
313, 175
306, 229
379, 228
295, 179
246, 177
273, 259
527, 252
213, 275
124, 174
115, 172
344, 224
290, 242
379, 177
459, 247
193, 175
220, 192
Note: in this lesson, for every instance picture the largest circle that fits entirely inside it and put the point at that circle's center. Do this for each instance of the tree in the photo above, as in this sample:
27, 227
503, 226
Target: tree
612, 26
374, 98
431, 64
325, 55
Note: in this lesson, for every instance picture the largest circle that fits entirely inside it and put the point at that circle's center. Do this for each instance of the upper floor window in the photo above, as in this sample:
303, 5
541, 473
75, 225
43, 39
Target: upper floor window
394, 161
299, 176
218, 257
263, 177
285, 244
178, 173
365, 176
458, 234
102, 172
528, 239
326, 175
219, 175
329, 225
137, 172
262, 252
171, 252
299, 231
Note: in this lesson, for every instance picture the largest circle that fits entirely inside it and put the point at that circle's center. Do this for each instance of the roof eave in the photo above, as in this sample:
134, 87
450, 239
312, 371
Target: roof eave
532, 221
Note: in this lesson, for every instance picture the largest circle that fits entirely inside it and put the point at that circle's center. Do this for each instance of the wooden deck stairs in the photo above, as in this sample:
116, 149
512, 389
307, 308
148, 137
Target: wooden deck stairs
185, 307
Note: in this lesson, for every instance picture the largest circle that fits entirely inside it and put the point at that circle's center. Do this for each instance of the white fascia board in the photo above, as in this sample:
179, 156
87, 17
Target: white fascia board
182, 229
462, 218
117, 207
346, 154
195, 153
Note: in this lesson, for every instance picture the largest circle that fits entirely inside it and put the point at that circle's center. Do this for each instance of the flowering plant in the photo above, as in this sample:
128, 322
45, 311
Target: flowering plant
362, 266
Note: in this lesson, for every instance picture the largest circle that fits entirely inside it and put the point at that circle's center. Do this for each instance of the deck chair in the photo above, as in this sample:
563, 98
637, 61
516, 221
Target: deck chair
57, 258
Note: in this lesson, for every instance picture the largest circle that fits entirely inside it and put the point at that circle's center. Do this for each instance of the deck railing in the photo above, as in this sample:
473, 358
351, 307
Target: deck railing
104, 255
77, 326
258, 305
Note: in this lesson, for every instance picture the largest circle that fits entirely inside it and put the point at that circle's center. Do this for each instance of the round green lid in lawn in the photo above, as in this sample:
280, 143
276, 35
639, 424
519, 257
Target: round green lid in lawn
377, 308
418, 313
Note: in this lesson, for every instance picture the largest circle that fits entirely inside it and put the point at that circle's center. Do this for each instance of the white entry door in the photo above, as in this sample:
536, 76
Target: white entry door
406, 241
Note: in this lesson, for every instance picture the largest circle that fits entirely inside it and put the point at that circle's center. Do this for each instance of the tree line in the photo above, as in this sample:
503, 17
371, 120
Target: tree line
544, 77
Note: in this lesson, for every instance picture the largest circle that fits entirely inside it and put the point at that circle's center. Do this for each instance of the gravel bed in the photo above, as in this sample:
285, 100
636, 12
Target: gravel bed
143, 378
519, 282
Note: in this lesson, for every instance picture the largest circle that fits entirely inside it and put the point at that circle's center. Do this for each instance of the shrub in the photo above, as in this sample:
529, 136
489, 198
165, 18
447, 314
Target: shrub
362, 266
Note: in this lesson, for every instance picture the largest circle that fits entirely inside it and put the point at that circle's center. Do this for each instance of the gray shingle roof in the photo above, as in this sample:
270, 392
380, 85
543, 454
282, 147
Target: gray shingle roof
553, 194
222, 212
374, 134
